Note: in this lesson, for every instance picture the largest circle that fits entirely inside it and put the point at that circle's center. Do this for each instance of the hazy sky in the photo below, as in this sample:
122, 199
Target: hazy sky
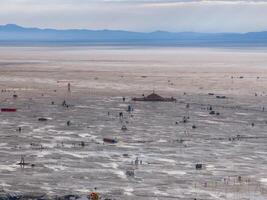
139, 15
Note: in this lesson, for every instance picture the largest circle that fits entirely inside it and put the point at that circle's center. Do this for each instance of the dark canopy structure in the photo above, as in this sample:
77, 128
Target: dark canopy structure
154, 97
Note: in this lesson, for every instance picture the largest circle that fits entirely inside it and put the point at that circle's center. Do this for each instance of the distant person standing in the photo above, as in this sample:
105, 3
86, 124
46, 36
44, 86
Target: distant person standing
136, 162
68, 87
129, 109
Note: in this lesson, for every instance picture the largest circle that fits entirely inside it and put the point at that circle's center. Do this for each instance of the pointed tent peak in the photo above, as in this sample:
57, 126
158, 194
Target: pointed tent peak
154, 96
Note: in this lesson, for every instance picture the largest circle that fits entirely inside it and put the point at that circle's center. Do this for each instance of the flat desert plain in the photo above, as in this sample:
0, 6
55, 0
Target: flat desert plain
156, 157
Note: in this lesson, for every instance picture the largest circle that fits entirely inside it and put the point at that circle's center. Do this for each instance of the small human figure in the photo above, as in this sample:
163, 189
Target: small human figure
184, 119
129, 108
82, 144
136, 161
69, 87
22, 161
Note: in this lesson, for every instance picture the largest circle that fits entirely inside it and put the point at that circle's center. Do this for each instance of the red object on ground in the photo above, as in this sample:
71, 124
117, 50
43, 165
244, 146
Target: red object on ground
113, 141
8, 110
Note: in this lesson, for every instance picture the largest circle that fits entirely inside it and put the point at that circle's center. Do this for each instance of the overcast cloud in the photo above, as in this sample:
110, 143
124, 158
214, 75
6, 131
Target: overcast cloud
139, 15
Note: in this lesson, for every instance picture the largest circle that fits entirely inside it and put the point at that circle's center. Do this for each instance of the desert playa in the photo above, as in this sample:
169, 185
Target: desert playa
74, 129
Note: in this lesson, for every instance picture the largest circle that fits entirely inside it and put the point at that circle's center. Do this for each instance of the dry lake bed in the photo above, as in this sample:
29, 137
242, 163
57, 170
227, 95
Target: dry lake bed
65, 151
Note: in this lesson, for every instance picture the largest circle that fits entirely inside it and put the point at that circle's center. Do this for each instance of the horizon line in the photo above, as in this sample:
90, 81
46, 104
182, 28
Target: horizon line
123, 30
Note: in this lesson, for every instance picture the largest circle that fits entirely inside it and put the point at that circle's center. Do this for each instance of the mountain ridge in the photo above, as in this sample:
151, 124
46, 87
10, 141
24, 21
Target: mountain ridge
16, 33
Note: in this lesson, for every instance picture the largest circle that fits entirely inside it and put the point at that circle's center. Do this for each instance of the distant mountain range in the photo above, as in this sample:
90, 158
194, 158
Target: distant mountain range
12, 34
